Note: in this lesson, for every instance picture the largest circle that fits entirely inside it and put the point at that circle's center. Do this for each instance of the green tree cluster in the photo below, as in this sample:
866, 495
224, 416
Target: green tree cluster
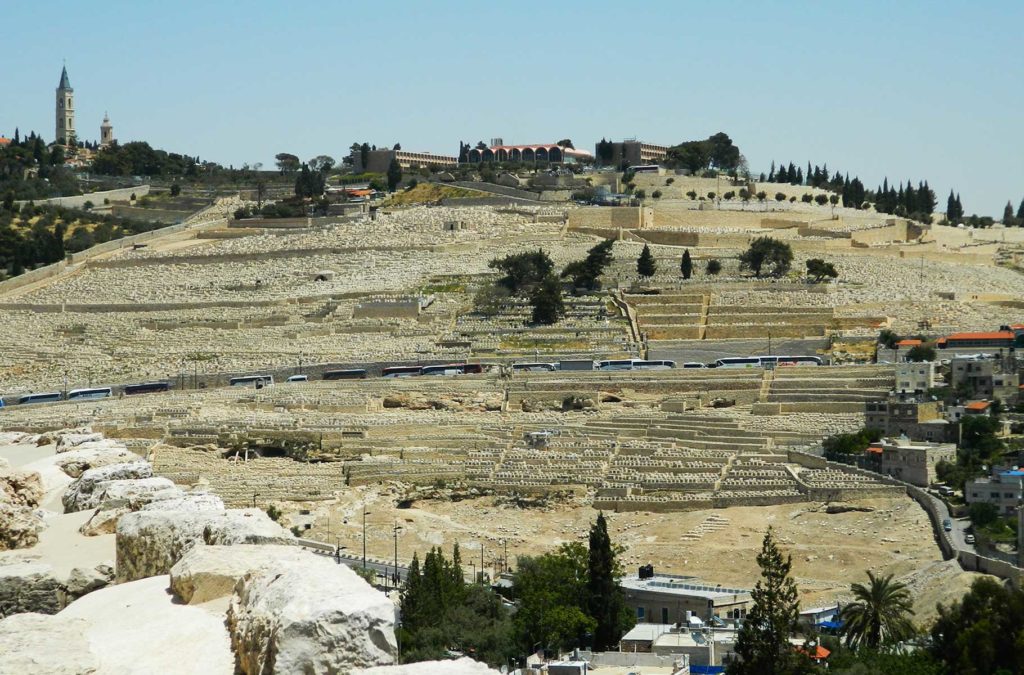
714, 266
766, 252
571, 597
921, 353
587, 273
522, 271
851, 444
715, 152
440, 612
982, 633
138, 158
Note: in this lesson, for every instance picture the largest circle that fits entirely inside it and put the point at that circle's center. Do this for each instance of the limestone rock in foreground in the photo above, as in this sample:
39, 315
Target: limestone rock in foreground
84, 492
310, 617
463, 666
66, 441
138, 628
208, 572
20, 494
93, 455
37, 643
146, 494
150, 542
29, 587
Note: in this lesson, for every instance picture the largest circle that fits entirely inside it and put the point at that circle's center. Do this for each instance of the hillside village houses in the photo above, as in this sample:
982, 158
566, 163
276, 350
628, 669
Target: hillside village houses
1004, 488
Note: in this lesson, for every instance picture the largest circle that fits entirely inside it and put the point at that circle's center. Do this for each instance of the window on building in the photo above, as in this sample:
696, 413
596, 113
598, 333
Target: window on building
640, 614
664, 614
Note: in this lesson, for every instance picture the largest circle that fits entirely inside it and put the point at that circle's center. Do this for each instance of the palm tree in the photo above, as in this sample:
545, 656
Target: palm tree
880, 615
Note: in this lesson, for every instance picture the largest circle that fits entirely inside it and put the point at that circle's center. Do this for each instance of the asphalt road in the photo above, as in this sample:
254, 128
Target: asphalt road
706, 351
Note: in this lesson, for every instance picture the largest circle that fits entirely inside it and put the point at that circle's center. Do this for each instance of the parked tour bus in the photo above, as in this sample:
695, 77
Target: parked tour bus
349, 374
146, 388
49, 397
534, 367
453, 369
258, 381
766, 361
89, 394
401, 371
635, 364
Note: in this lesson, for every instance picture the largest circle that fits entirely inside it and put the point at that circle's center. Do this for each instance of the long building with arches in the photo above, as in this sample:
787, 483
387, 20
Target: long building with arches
542, 152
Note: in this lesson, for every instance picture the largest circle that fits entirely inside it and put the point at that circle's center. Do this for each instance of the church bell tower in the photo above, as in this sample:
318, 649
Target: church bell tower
65, 110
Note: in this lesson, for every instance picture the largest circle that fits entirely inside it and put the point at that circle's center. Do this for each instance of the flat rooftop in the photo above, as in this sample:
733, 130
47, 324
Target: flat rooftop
681, 586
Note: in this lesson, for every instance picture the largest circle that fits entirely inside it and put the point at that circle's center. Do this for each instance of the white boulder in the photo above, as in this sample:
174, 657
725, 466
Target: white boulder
310, 617
150, 542
37, 643
463, 666
83, 493
92, 455
139, 628
70, 440
208, 572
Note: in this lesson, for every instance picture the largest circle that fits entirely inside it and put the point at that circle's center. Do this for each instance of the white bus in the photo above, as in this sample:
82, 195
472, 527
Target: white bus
635, 364
766, 361
646, 168
534, 367
257, 381
89, 394
49, 397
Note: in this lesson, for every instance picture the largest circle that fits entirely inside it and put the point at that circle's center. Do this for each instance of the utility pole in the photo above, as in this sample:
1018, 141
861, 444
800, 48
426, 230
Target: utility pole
505, 563
481, 562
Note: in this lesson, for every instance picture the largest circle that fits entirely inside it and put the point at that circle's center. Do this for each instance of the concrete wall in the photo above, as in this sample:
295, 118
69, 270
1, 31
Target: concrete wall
78, 201
31, 277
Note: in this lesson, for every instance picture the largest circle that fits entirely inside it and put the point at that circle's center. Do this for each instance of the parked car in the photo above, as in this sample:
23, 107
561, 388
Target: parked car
298, 378
969, 538
947, 525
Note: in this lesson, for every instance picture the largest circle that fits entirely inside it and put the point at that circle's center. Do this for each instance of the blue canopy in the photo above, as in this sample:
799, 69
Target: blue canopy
834, 625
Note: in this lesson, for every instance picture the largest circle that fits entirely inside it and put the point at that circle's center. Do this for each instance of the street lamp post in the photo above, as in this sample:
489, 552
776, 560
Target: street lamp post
365, 512
254, 496
396, 530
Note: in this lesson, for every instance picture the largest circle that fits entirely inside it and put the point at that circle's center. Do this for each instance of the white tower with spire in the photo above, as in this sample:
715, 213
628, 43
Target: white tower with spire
65, 110
106, 132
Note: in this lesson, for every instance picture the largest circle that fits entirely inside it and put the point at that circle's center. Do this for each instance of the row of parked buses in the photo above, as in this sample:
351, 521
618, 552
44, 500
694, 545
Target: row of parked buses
89, 394
449, 369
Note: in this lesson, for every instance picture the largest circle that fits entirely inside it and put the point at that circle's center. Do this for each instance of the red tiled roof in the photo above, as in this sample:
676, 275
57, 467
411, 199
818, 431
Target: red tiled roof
995, 335
4, 140
820, 653
977, 405
909, 342
874, 450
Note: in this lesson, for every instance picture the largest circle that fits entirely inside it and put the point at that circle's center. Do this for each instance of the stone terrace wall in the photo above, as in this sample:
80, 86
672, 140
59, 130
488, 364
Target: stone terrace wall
612, 217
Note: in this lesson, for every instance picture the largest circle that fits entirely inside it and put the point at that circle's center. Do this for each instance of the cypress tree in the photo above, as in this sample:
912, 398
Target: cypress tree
394, 174
1020, 212
799, 177
791, 172
771, 174
763, 642
606, 603
782, 176
686, 267
1008, 214
645, 264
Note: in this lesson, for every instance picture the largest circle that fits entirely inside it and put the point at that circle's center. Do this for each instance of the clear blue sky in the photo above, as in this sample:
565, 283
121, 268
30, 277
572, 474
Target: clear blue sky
919, 90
